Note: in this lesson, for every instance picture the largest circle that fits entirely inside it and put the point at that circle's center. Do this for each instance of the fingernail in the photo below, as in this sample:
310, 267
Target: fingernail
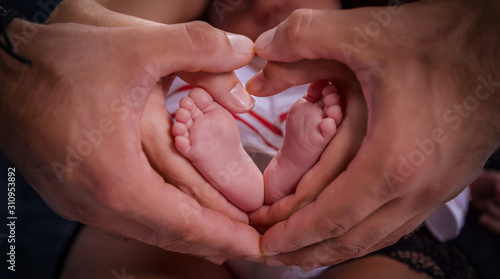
255, 85
265, 39
274, 262
240, 97
270, 254
216, 260
240, 44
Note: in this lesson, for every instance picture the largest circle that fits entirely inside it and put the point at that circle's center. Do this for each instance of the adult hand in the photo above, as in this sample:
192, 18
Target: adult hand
486, 199
71, 123
429, 74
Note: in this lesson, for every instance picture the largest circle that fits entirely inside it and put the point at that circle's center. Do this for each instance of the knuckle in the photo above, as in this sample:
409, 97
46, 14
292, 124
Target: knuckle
296, 244
331, 229
110, 199
351, 251
297, 24
180, 238
201, 36
434, 194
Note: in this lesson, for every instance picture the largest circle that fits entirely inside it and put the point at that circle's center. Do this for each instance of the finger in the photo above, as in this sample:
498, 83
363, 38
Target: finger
191, 47
313, 34
178, 223
225, 88
339, 153
324, 219
319, 220
490, 222
174, 220
404, 231
194, 47
158, 144
372, 235
492, 208
277, 77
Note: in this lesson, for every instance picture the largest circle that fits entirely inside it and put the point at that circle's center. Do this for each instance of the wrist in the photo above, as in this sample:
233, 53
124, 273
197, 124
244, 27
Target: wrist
13, 71
16, 78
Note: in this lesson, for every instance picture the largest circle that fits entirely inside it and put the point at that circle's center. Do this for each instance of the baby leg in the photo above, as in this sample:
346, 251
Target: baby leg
207, 134
311, 124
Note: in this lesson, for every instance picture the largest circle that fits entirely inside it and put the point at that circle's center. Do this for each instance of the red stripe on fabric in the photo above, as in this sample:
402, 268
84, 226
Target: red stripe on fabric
266, 123
183, 88
283, 117
255, 130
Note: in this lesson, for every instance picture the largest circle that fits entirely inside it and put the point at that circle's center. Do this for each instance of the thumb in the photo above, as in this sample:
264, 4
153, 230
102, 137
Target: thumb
196, 51
193, 47
342, 35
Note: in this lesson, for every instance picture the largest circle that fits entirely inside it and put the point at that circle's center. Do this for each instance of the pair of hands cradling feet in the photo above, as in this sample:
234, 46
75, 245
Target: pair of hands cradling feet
410, 159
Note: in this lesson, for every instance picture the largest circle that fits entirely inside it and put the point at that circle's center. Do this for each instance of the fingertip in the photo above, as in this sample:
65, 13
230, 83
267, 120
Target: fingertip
264, 40
256, 84
241, 44
259, 87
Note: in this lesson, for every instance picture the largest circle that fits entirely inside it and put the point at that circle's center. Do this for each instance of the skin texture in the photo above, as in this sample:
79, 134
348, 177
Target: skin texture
74, 125
445, 60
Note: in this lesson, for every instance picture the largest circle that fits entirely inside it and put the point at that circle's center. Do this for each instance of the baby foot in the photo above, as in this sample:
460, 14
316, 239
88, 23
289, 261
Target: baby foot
207, 134
311, 124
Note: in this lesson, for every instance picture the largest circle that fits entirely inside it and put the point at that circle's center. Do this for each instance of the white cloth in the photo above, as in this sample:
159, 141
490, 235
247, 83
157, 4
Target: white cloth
446, 222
